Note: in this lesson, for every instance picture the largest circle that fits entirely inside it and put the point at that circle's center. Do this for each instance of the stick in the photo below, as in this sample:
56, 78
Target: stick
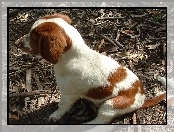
108, 39
162, 38
30, 66
101, 44
155, 23
118, 43
28, 80
27, 94
160, 29
110, 18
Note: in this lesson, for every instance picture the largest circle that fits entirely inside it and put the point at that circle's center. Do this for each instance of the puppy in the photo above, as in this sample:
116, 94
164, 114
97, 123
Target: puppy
83, 72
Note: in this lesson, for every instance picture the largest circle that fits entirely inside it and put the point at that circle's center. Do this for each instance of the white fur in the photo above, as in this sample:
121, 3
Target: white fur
126, 83
80, 69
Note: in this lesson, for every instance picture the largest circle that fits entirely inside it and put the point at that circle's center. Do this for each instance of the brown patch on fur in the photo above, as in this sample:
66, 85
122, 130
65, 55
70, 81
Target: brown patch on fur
122, 102
103, 92
64, 17
126, 98
100, 92
132, 91
50, 40
117, 76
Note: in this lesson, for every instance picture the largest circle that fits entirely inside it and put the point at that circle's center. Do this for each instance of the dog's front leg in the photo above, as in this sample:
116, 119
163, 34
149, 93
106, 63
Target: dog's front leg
64, 105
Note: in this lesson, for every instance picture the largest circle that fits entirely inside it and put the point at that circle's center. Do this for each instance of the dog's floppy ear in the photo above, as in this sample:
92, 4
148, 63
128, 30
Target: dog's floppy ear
64, 17
52, 41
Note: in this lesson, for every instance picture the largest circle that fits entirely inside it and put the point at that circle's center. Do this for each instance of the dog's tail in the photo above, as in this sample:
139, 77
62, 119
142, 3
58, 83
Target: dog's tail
154, 101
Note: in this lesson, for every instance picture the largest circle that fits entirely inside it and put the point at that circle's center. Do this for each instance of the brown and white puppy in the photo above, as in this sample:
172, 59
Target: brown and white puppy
83, 72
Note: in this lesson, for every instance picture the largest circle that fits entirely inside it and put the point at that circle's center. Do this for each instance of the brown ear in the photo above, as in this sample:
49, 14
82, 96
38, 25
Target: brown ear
64, 17
52, 40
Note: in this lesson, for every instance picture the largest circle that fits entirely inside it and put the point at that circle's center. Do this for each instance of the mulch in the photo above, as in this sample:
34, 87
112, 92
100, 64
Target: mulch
134, 37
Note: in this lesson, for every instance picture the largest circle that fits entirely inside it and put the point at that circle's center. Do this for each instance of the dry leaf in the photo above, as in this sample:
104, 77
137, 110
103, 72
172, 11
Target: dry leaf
164, 62
131, 64
129, 31
15, 117
152, 46
91, 33
134, 118
101, 44
92, 20
15, 109
154, 12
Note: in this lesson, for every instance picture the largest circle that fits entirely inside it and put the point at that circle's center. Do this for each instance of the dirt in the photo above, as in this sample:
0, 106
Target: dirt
135, 38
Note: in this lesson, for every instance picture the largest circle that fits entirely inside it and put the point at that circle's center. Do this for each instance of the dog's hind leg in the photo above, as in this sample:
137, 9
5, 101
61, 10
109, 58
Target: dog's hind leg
117, 106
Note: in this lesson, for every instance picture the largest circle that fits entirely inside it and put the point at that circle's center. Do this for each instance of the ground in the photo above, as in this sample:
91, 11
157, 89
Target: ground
135, 38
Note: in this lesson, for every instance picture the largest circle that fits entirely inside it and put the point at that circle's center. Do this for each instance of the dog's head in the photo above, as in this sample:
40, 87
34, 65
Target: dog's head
47, 38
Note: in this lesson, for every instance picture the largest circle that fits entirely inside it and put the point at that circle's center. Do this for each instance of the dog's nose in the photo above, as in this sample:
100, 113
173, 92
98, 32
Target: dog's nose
23, 44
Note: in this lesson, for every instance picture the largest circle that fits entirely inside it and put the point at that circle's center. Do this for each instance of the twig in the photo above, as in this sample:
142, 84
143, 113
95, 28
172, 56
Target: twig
31, 58
118, 43
118, 35
108, 39
134, 118
12, 91
162, 38
110, 18
117, 38
41, 100
39, 85
160, 29
135, 16
27, 94
28, 80
30, 66
139, 32
101, 44
127, 34
155, 23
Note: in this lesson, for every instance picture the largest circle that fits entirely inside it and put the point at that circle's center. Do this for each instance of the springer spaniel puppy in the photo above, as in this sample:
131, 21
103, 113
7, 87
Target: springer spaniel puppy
83, 72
